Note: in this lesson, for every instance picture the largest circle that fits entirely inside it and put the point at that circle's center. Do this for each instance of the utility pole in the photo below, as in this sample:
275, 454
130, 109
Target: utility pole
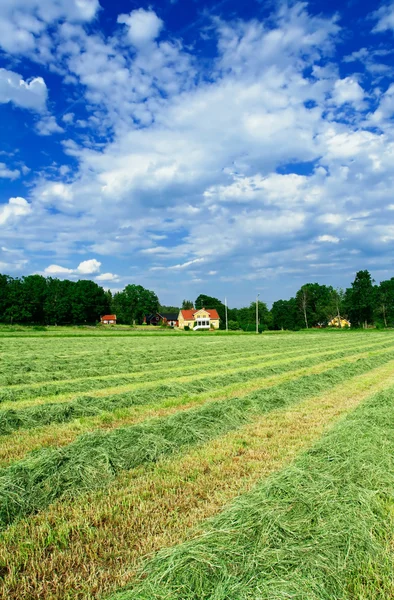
257, 313
225, 304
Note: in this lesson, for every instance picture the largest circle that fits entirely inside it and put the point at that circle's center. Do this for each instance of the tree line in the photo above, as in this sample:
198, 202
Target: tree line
39, 300
363, 304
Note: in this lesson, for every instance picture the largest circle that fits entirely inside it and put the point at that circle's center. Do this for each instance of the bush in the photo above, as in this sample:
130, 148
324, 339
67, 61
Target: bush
186, 328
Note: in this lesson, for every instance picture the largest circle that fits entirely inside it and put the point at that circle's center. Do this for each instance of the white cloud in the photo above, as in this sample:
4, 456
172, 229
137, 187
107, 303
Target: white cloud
348, 90
57, 270
144, 26
47, 126
30, 94
68, 118
23, 23
179, 267
331, 239
88, 266
107, 277
384, 17
16, 207
252, 154
6, 173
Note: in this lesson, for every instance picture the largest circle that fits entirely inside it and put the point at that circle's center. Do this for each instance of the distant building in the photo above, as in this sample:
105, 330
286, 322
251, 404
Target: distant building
339, 322
108, 320
170, 319
204, 318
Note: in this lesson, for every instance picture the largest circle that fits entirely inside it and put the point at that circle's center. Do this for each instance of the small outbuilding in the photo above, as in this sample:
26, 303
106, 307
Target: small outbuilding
108, 320
170, 319
339, 322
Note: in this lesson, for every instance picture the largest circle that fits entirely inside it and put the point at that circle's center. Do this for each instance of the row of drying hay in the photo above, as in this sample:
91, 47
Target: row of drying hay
37, 415
320, 529
94, 459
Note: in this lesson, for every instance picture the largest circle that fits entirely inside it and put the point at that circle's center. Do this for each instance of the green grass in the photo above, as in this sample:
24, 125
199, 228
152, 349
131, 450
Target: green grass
30, 417
321, 529
94, 459
173, 427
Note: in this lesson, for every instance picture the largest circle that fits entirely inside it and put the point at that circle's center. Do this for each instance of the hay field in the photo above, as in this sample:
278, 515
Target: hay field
197, 466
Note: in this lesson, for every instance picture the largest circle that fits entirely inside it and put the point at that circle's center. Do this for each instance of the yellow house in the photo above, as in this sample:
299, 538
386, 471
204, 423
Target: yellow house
335, 322
204, 318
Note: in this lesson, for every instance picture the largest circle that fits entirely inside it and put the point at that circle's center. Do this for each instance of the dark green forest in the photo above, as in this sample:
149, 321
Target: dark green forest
38, 300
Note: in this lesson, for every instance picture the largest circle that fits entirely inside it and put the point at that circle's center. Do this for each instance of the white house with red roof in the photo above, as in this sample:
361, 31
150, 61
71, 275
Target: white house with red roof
204, 318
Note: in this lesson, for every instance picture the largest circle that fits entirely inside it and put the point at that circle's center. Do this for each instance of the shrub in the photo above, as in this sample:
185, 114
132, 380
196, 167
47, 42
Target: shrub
186, 328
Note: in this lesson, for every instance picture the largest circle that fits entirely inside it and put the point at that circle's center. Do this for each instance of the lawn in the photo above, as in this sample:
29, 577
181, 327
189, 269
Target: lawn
196, 466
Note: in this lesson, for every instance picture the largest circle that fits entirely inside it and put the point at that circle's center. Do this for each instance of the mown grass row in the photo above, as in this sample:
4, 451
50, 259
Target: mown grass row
321, 529
122, 365
105, 386
55, 366
94, 459
30, 417
186, 366
95, 545
55, 369
17, 444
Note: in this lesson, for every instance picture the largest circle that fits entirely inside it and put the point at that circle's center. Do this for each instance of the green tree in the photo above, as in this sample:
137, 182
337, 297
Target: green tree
360, 299
88, 302
4, 280
58, 301
315, 303
246, 317
133, 303
34, 293
17, 310
285, 315
168, 309
384, 302
187, 304
337, 304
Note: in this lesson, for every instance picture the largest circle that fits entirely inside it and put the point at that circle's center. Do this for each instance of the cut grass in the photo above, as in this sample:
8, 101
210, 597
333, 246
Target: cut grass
18, 444
36, 413
50, 365
94, 459
60, 390
321, 529
79, 550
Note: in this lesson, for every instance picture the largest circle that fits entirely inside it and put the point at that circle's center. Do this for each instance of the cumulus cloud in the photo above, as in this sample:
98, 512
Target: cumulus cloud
57, 270
348, 90
255, 156
143, 26
87, 267
15, 208
23, 23
25, 94
107, 277
7, 173
47, 126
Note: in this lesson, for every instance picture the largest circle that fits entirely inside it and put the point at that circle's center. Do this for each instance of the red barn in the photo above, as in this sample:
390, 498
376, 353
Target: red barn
108, 320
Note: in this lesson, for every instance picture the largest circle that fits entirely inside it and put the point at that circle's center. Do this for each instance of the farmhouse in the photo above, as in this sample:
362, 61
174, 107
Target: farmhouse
204, 318
108, 320
170, 319
335, 322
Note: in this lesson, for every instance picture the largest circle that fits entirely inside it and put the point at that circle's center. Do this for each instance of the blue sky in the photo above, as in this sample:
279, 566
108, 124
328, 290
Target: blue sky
224, 148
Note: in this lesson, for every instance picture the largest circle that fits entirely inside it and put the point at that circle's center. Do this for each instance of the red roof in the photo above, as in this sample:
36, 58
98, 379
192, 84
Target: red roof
188, 315
108, 318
